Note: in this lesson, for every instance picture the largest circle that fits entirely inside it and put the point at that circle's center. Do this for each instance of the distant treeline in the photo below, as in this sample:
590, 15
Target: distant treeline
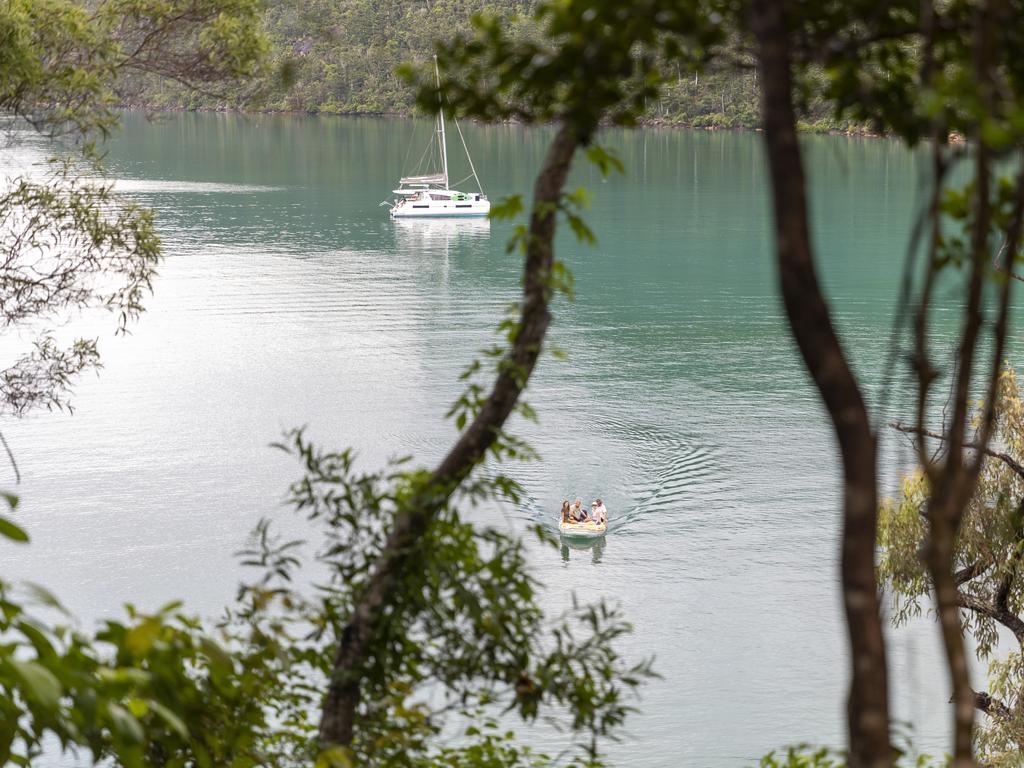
339, 57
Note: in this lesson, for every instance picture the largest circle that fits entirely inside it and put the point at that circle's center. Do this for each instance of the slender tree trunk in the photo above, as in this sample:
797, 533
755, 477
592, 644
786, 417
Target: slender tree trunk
955, 482
343, 695
940, 559
811, 325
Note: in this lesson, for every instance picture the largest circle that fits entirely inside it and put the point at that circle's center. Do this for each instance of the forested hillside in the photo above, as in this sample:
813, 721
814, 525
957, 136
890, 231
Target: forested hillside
340, 56
345, 52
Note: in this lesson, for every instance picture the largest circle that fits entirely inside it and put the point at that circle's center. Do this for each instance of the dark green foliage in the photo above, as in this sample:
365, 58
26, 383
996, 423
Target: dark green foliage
149, 690
60, 59
465, 638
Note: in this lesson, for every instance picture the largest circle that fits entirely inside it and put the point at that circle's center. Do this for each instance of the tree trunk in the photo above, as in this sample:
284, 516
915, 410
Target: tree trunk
811, 324
342, 700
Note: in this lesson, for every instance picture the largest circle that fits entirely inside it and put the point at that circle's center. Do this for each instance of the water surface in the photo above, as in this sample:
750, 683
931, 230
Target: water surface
289, 298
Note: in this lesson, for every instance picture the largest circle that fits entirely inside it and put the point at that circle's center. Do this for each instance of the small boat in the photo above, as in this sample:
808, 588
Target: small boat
429, 195
585, 530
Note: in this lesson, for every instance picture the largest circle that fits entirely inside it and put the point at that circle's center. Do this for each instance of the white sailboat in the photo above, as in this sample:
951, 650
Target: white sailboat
429, 195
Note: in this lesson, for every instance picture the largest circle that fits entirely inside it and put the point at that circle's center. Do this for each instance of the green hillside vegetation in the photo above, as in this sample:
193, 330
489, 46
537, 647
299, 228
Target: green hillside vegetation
340, 57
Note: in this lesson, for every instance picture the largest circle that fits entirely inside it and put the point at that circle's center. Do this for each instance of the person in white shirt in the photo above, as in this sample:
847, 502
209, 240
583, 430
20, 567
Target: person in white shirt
599, 513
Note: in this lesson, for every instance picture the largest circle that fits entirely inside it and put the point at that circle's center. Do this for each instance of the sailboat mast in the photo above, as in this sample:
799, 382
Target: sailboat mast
440, 122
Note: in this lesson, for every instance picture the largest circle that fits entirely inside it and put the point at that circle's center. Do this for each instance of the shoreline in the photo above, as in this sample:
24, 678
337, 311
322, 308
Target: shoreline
805, 128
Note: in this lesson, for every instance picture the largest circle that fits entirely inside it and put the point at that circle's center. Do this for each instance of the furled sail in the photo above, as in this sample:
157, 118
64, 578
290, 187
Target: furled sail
436, 178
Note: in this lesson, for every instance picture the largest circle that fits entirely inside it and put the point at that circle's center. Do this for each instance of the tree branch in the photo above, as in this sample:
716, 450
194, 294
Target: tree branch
970, 572
1007, 618
1004, 457
991, 707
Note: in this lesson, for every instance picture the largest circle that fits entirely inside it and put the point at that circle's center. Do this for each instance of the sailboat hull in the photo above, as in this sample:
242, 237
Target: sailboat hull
436, 209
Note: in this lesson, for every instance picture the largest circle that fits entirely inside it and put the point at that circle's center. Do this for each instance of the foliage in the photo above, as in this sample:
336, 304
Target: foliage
804, 756
153, 689
68, 244
988, 555
466, 636
61, 59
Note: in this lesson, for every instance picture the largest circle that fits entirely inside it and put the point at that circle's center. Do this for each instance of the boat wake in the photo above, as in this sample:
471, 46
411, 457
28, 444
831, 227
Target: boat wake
657, 475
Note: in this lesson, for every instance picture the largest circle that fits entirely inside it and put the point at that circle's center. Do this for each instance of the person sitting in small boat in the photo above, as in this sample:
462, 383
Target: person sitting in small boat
566, 512
579, 514
599, 513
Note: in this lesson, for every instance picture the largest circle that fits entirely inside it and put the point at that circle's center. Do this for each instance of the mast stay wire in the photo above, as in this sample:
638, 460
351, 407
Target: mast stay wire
430, 150
419, 164
468, 157
408, 149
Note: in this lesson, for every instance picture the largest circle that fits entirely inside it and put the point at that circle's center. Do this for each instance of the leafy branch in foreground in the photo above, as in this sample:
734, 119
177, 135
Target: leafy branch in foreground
918, 70
67, 244
463, 635
497, 76
62, 60
153, 689
805, 756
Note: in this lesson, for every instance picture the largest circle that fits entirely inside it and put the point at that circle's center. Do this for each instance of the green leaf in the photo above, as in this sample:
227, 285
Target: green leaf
36, 636
508, 208
219, 658
604, 160
45, 597
142, 636
121, 675
9, 530
138, 707
580, 197
124, 724
334, 757
40, 684
172, 721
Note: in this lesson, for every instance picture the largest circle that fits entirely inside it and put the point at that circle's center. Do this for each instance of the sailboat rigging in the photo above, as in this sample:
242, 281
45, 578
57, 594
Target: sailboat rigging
429, 195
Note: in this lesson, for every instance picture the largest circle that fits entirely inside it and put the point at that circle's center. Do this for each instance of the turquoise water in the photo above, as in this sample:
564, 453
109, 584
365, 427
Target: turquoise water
288, 297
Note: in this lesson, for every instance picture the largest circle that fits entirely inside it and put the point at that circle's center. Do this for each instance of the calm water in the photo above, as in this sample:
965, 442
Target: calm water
289, 298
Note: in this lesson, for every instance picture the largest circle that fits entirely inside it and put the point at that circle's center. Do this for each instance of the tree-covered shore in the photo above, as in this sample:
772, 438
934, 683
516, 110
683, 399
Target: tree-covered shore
340, 57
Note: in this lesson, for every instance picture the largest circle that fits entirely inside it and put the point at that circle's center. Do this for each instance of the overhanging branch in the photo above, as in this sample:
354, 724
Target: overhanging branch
991, 707
1007, 618
1002, 456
